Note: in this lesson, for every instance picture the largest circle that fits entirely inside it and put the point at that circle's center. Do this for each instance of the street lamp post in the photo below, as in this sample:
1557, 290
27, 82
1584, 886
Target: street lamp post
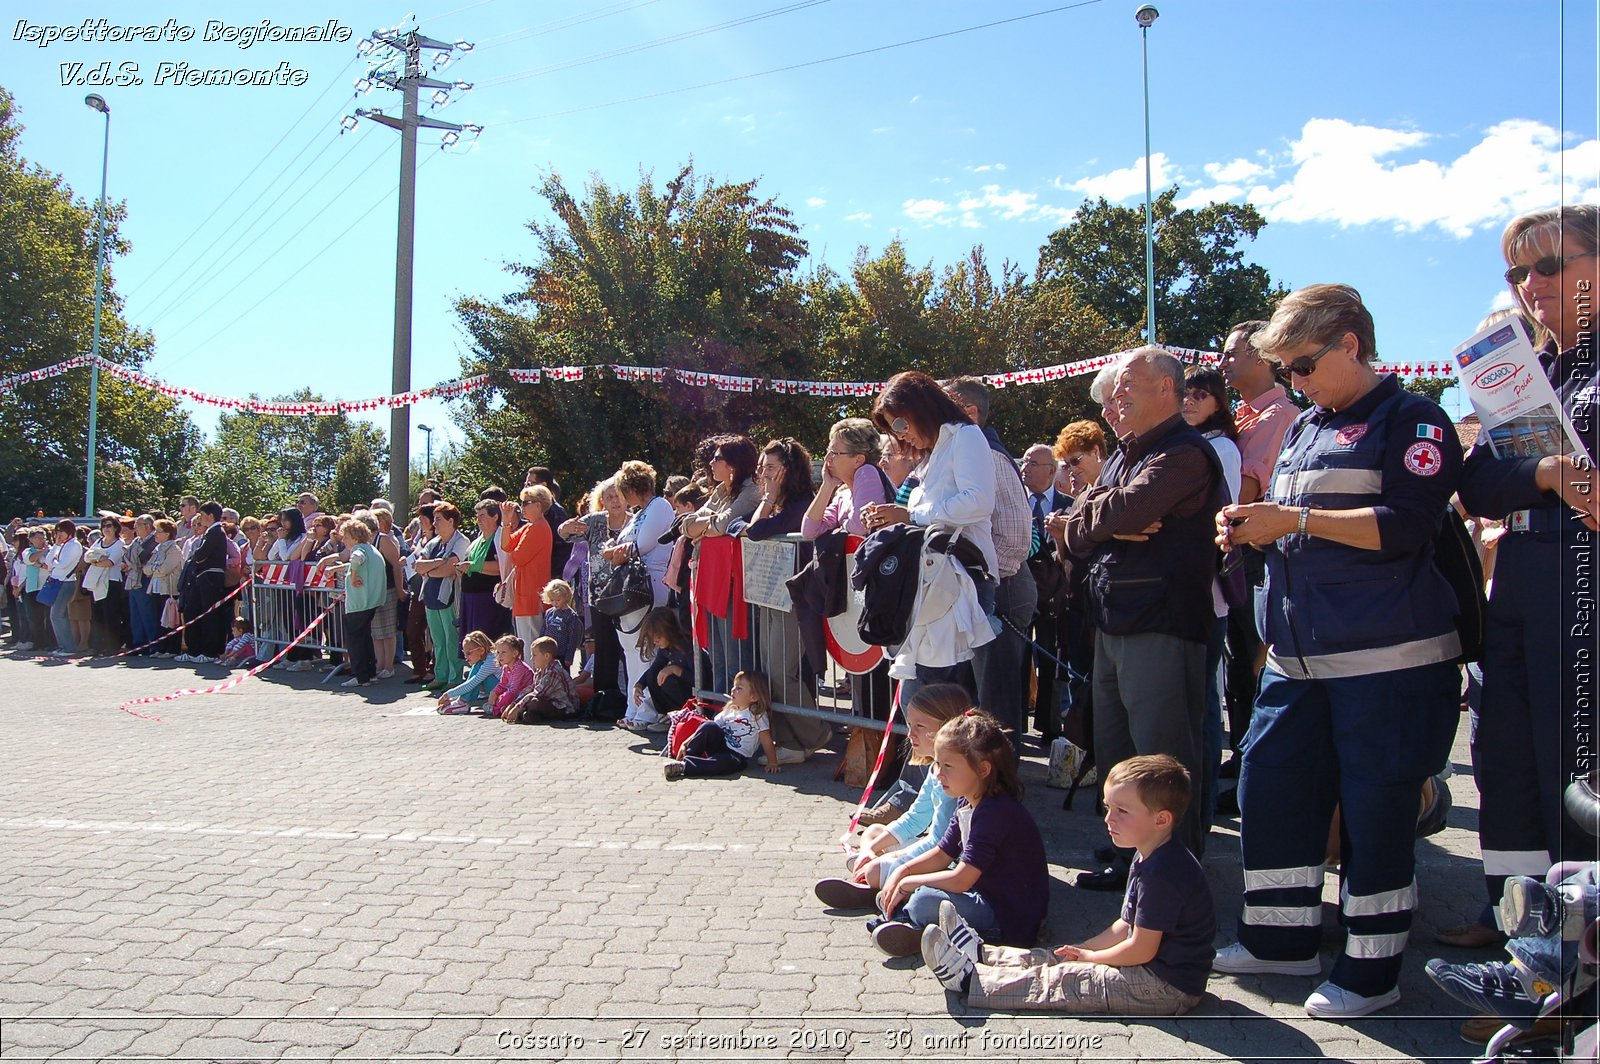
1146, 17
97, 102
428, 462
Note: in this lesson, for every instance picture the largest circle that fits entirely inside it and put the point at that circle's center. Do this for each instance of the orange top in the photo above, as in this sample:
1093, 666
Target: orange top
529, 550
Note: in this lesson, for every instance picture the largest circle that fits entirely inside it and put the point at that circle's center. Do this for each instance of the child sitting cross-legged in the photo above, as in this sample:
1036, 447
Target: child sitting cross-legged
515, 676
470, 694
881, 849
1153, 960
725, 744
242, 647
552, 694
1000, 881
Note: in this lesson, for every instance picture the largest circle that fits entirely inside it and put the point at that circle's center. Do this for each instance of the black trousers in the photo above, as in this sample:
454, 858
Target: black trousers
669, 694
358, 643
707, 754
607, 652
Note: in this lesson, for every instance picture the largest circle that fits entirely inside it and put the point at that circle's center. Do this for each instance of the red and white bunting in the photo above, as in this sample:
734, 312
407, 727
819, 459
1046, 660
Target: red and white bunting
1436, 370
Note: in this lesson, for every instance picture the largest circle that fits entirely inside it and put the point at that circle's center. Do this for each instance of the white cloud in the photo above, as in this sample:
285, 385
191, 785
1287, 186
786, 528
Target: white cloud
859, 216
926, 210
1503, 300
1341, 173
1126, 183
970, 210
816, 201
985, 168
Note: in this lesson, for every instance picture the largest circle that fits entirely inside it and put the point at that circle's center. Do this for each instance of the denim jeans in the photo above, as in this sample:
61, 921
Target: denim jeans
60, 623
922, 909
142, 617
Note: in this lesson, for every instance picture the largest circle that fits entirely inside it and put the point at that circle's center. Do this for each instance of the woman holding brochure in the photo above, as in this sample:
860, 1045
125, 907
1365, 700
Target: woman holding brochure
1526, 746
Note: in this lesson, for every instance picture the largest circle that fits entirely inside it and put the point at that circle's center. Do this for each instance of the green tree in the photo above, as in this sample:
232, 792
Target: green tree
260, 462
695, 274
1203, 282
48, 249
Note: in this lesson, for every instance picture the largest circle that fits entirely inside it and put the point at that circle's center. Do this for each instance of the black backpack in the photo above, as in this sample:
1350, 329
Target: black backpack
1457, 559
887, 572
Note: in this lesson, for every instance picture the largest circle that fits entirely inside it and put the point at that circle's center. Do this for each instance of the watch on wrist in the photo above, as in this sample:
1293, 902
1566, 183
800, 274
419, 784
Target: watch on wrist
1305, 515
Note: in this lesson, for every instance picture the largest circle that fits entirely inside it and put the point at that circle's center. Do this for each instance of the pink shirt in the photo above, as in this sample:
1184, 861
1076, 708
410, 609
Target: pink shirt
1262, 425
867, 486
513, 681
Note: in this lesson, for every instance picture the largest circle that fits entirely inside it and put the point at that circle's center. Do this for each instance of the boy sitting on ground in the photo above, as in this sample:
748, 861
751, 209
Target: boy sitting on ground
1152, 961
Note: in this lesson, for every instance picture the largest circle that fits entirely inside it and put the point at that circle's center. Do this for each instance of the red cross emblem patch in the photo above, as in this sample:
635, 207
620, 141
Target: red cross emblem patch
1424, 459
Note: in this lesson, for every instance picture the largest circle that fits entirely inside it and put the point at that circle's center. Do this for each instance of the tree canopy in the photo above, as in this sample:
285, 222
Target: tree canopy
48, 249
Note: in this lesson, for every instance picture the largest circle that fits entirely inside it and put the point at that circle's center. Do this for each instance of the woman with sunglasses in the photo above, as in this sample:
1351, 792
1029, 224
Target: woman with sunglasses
955, 493
1524, 748
1359, 700
734, 497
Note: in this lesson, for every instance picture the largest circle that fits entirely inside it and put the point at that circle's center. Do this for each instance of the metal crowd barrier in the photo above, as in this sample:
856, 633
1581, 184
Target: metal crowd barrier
285, 597
853, 686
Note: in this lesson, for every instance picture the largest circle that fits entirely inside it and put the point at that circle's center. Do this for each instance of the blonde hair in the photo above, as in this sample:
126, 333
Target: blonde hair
1550, 231
356, 529
941, 702
545, 645
557, 593
597, 494
1319, 314
477, 639
760, 692
538, 495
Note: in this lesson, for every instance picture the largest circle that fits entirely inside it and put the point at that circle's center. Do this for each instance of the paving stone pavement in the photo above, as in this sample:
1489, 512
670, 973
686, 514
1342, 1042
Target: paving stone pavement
285, 871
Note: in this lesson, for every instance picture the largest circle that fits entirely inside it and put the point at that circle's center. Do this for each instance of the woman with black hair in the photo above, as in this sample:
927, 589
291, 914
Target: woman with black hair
784, 476
734, 497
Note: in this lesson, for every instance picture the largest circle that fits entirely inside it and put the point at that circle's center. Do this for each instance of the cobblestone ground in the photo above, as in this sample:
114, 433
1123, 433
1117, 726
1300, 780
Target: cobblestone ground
285, 871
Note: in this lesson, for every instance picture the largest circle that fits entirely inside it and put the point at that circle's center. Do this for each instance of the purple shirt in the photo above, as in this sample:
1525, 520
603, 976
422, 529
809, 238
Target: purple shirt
999, 838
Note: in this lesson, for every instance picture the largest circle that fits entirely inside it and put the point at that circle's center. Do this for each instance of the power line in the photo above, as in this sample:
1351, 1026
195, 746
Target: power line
656, 43
564, 23
218, 265
292, 236
300, 270
249, 173
794, 66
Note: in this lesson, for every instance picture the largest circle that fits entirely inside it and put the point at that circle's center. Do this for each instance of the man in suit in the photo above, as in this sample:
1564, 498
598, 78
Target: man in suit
1039, 469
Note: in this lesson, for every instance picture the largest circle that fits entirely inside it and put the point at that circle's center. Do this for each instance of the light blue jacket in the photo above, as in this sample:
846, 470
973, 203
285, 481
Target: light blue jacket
480, 681
929, 817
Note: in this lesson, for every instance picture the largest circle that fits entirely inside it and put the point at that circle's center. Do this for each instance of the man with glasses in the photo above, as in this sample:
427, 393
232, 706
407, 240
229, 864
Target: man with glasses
1359, 699
1039, 469
1262, 418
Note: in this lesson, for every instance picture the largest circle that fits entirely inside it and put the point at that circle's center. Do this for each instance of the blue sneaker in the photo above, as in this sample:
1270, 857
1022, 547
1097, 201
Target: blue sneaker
1494, 988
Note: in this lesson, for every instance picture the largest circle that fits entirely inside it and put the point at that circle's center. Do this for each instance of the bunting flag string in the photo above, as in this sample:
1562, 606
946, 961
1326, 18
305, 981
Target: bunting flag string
456, 389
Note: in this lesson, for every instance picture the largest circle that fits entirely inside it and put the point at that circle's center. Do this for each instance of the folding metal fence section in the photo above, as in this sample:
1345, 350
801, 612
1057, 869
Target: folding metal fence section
285, 597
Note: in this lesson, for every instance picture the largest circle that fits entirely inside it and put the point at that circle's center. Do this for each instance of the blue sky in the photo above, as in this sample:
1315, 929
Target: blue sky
1387, 143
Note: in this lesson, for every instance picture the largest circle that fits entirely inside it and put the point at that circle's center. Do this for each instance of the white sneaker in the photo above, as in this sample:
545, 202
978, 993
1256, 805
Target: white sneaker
1332, 1002
183, 657
352, 682
1236, 960
945, 959
386, 674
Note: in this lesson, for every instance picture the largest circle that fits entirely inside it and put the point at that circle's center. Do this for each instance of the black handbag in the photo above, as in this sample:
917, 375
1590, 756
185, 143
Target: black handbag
625, 589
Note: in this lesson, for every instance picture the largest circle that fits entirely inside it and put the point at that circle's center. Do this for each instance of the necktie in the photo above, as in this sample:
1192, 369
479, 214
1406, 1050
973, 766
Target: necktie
1038, 522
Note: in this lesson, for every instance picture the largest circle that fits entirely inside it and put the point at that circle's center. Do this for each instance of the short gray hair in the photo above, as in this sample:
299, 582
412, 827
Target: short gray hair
972, 391
1162, 362
859, 436
1100, 388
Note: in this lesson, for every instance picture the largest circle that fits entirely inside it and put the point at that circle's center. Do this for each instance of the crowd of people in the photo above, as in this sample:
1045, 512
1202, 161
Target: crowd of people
1196, 591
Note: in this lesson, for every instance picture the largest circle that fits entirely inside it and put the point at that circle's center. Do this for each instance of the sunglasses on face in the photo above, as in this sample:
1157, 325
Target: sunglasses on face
899, 426
1306, 365
1548, 266
1075, 459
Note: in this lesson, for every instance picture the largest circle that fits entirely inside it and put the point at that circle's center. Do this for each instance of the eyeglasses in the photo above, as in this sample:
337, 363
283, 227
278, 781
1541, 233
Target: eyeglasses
1548, 266
899, 426
1075, 459
1199, 395
1036, 463
838, 454
1305, 366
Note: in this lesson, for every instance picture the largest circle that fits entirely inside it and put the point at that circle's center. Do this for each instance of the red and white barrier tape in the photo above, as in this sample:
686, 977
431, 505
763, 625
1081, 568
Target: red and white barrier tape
883, 752
224, 600
232, 681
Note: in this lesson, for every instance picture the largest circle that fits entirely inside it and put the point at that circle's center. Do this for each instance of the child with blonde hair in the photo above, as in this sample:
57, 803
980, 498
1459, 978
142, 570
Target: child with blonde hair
561, 622
725, 744
482, 674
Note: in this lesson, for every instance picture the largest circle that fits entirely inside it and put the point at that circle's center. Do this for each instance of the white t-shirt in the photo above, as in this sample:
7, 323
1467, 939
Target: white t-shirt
281, 549
742, 729
1232, 461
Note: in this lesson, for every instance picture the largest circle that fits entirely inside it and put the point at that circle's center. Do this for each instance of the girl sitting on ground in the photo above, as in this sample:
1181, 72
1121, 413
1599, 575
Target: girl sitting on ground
725, 744
551, 696
882, 849
242, 647
666, 680
1000, 883
515, 676
470, 694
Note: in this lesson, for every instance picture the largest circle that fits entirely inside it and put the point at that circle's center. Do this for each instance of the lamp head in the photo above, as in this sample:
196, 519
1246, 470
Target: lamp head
1146, 16
425, 428
98, 102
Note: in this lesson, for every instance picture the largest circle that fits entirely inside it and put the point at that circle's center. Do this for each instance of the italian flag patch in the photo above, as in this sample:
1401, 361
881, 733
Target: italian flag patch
1430, 432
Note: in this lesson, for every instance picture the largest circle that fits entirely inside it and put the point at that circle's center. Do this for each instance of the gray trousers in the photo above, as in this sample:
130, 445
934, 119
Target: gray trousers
1150, 698
1008, 978
998, 665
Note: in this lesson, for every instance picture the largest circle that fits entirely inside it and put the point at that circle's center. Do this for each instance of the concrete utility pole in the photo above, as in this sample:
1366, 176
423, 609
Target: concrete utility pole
98, 103
410, 45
